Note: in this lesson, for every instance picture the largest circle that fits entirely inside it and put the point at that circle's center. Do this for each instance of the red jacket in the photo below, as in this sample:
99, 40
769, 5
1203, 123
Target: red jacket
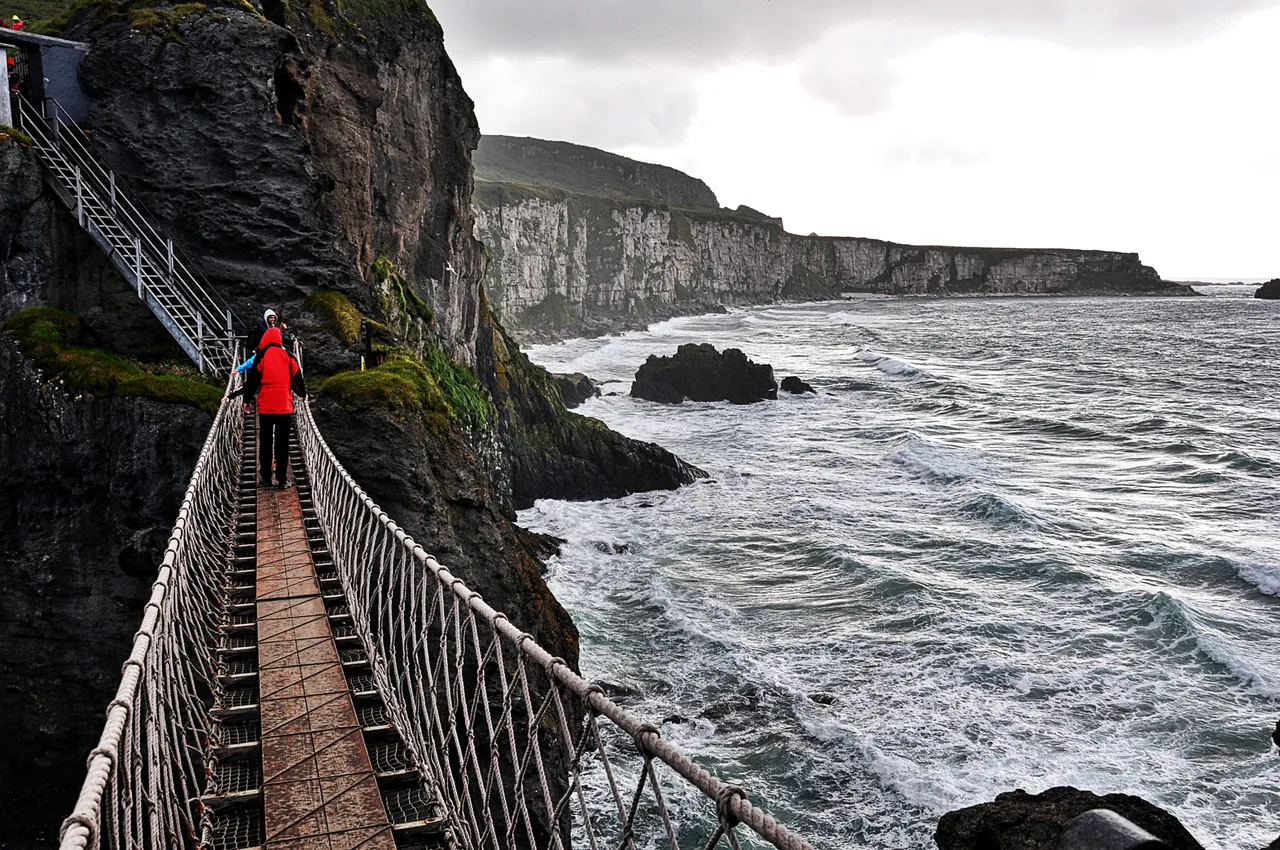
274, 377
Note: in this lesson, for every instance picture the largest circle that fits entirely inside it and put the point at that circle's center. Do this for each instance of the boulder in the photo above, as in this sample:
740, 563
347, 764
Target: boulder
795, 386
1021, 821
701, 373
1269, 290
575, 388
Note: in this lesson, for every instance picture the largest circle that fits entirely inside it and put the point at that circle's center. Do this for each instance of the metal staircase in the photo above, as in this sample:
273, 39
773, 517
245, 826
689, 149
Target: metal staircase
192, 313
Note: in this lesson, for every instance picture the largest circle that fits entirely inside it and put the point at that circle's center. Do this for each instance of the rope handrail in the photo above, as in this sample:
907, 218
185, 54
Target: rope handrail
340, 502
515, 747
137, 755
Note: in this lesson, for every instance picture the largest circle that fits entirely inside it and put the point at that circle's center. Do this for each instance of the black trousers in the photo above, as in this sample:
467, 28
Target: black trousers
273, 434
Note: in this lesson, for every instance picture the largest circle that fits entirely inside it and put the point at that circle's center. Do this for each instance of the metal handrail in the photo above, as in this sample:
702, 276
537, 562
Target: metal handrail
161, 247
193, 313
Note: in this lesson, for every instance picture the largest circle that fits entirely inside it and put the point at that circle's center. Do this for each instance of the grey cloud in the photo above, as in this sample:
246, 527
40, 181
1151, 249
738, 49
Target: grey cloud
710, 31
619, 72
584, 103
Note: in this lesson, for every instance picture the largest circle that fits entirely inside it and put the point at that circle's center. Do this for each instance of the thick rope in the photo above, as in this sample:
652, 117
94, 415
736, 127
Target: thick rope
515, 747
399, 616
156, 718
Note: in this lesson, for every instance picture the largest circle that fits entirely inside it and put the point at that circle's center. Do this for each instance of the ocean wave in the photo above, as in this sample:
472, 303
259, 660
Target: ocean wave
996, 510
1265, 577
890, 365
932, 463
1240, 665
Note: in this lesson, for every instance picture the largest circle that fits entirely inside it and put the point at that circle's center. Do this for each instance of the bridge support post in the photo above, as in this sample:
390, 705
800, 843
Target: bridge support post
79, 197
199, 331
112, 175
168, 246
137, 263
6, 114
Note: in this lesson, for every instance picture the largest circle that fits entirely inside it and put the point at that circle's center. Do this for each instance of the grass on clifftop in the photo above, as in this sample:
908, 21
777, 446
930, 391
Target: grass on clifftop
442, 390
46, 336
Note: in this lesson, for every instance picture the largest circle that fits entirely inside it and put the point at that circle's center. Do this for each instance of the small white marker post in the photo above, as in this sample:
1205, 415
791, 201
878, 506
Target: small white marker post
6, 114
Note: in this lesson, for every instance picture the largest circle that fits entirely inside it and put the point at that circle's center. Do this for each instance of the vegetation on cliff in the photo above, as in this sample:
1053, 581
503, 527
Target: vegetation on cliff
442, 390
48, 337
339, 313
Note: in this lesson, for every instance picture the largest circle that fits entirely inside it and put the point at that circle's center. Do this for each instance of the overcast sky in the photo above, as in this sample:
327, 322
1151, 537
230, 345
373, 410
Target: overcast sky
1137, 125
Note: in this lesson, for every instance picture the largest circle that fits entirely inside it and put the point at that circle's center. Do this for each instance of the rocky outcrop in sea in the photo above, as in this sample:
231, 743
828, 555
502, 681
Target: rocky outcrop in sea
1269, 290
701, 373
578, 249
1017, 820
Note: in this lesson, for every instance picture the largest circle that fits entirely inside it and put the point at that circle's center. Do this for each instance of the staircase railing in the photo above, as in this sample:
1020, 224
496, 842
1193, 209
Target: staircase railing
200, 321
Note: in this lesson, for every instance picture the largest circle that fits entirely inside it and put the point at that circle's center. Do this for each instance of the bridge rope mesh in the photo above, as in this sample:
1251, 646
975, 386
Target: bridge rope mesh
516, 747
521, 750
150, 760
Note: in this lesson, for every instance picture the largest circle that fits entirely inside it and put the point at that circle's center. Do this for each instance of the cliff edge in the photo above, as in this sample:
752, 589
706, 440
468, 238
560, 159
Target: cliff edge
573, 254
313, 158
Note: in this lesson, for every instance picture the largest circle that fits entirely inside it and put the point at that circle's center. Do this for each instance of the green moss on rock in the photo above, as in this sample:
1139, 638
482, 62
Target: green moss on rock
339, 313
392, 284
47, 336
442, 390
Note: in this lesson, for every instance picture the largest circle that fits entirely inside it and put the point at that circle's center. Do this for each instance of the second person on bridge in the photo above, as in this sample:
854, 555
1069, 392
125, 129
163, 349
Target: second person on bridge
273, 378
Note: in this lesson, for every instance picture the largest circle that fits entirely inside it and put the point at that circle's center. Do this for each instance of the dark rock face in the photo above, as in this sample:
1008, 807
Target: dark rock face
554, 454
284, 159
1021, 821
700, 373
795, 386
1269, 290
576, 388
289, 160
46, 259
89, 489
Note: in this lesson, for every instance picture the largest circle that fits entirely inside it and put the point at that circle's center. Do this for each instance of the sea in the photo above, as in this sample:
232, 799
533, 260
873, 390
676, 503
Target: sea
1009, 543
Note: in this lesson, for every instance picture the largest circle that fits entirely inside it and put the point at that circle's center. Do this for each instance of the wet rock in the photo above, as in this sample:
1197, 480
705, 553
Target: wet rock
555, 454
675, 719
576, 388
606, 548
1269, 290
1275, 735
795, 386
824, 698
701, 373
619, 693
1017, 820
538, 545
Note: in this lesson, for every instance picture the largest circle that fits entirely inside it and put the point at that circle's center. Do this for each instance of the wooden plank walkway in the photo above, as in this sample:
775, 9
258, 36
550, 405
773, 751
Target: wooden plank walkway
319, 789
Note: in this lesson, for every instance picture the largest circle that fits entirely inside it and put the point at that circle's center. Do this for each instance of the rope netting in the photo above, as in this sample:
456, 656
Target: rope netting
522, 751
150, 764
519, 750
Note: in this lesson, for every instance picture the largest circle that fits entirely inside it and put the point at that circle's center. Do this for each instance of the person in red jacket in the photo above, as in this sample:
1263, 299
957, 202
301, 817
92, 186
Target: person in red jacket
273, 378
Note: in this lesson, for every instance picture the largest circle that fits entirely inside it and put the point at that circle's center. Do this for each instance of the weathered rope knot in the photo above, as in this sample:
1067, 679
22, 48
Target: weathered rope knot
645, 729
724, 803
85, 821
109, 752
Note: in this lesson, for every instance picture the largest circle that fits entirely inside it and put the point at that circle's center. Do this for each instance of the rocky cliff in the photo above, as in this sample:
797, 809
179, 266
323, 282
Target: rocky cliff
308, 157
572, 255
89, 489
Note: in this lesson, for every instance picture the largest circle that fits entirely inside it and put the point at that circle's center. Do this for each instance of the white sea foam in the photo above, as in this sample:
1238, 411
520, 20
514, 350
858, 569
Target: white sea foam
1265, 577
888, 365
1008, 604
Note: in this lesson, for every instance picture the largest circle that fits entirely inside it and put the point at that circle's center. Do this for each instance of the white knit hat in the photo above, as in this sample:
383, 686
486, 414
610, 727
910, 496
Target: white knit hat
266, 317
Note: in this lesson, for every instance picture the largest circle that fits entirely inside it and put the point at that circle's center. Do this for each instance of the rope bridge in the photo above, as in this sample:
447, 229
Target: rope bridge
507, 746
